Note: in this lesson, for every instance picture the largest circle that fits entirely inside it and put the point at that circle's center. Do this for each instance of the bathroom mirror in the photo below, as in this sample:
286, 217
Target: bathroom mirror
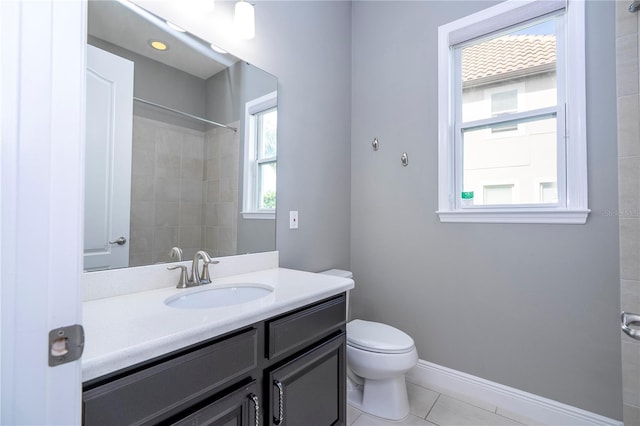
197, 168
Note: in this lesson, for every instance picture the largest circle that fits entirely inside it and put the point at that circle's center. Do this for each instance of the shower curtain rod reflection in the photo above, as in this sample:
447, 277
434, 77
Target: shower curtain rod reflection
184, 114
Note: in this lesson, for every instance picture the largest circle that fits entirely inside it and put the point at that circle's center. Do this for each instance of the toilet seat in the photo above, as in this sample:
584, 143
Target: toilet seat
377, 337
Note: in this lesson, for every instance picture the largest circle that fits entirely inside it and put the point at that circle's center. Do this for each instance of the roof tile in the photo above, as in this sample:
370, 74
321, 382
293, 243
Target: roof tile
506, 54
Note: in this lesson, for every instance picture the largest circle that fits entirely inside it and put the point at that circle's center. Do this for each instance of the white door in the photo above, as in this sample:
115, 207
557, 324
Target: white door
108, 160
41, 210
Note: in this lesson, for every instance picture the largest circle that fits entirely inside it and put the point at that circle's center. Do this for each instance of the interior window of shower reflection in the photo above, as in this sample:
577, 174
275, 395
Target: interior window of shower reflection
507, 114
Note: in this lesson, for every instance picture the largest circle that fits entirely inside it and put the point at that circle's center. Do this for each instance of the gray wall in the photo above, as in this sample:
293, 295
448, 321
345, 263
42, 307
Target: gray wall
306, 45
535, 307
227, 93
230, 89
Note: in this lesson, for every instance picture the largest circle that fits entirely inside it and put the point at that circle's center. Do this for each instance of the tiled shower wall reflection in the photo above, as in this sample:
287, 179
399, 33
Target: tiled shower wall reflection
170, 192
221, 191
628, 93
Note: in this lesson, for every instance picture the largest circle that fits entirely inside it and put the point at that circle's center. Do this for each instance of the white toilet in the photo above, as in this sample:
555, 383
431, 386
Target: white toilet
378, 356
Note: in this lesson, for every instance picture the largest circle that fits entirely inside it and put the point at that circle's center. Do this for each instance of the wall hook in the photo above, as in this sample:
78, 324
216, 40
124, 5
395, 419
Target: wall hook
375, 144
404, 158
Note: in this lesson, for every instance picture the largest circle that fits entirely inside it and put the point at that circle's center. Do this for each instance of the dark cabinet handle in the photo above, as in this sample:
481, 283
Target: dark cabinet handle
256, 406
280, 417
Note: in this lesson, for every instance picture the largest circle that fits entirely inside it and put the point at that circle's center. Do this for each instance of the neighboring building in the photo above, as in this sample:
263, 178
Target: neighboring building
513, 162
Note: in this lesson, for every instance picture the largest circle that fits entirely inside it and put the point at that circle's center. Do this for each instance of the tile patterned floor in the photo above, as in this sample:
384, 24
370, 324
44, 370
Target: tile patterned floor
429, 407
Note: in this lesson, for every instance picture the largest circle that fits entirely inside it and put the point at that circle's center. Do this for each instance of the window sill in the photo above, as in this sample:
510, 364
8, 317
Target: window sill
258, 215
577, 217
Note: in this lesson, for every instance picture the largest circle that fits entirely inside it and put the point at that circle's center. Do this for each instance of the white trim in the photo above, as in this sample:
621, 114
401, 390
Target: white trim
258, 215
42, 205
537, 408
573, 204
543, 215
498, 17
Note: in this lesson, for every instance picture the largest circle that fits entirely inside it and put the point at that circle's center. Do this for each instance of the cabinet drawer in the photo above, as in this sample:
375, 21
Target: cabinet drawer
155, 393
301, 328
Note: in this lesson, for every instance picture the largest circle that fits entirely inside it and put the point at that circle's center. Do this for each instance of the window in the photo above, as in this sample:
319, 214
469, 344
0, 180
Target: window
504, 102
498, 194
260, 150
548, 192
507, 113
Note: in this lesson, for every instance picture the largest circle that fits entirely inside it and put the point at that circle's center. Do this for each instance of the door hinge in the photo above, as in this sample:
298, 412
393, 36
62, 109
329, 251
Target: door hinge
66, 344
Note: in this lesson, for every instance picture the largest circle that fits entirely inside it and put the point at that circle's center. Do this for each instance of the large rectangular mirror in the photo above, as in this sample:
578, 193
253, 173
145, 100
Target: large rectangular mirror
181, 144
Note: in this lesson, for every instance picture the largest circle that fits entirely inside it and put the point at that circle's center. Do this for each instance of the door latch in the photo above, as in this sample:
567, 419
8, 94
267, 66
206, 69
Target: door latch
66, 344
628, 320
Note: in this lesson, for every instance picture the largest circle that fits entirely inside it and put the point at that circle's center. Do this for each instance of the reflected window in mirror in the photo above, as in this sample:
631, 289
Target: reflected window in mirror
260, 148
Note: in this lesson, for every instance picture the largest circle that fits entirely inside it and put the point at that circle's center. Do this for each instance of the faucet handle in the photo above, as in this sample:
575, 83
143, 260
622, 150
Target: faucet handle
176, 253
204, 276
183, 282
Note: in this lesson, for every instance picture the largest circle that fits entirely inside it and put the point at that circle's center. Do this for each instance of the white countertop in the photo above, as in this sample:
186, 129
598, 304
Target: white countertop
124, 330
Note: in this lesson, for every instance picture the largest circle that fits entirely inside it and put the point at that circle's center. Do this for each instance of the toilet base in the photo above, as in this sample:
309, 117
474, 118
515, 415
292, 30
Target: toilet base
386, 398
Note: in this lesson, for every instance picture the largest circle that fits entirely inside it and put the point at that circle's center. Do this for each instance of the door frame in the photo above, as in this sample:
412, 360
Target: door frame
41, 205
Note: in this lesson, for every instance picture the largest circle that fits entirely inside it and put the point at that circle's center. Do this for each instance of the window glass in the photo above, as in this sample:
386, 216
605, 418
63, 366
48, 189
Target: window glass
526, 57
548, 192
498, 194
522, 158
507, 132
267, 130
267, 183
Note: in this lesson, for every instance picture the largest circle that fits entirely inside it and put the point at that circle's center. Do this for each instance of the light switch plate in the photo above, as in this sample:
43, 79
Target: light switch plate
293, 220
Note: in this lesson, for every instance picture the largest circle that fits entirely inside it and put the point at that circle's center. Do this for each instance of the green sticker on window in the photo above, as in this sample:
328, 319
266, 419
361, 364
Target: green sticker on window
467, 195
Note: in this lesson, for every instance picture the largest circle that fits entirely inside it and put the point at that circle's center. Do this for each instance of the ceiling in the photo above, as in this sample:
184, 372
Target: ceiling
119, 25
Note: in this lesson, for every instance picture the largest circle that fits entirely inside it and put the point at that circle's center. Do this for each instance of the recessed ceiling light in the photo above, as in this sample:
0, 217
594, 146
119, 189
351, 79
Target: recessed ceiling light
175, 27
217, 49
158, 45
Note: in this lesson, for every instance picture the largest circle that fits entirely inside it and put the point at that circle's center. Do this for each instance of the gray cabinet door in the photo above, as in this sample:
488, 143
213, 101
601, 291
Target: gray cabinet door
310, 390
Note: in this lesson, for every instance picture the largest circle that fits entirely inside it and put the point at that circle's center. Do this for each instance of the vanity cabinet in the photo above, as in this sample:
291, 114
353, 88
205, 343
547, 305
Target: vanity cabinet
163, 388
238, 408
286, 370
310, 389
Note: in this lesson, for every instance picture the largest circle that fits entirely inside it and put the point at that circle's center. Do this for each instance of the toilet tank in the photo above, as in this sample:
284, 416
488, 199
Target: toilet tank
344, 274
338, 273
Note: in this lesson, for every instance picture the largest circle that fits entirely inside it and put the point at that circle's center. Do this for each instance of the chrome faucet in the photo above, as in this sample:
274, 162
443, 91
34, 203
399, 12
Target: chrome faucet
195, 278
202, 278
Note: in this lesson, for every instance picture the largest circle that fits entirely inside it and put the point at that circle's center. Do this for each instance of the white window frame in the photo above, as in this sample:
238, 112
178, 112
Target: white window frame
572, 207
250, 191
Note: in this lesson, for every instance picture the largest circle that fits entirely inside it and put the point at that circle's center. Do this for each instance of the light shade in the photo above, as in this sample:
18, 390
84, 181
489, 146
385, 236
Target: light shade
244, 20
200, 7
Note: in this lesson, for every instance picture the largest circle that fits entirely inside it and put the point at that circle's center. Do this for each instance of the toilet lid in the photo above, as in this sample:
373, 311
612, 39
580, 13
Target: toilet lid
377, 337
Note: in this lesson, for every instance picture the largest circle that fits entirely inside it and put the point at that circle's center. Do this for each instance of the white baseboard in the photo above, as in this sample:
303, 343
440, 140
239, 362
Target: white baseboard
522, 404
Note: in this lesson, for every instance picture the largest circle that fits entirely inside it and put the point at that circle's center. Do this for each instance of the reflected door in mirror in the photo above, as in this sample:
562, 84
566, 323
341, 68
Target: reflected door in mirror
107, 160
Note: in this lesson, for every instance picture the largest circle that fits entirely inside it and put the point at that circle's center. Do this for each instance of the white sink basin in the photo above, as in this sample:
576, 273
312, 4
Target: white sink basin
217, 297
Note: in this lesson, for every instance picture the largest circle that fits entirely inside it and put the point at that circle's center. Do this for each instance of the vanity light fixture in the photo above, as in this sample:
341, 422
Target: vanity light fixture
217, 49
175, 27
199, 7
158, 45
244, 20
